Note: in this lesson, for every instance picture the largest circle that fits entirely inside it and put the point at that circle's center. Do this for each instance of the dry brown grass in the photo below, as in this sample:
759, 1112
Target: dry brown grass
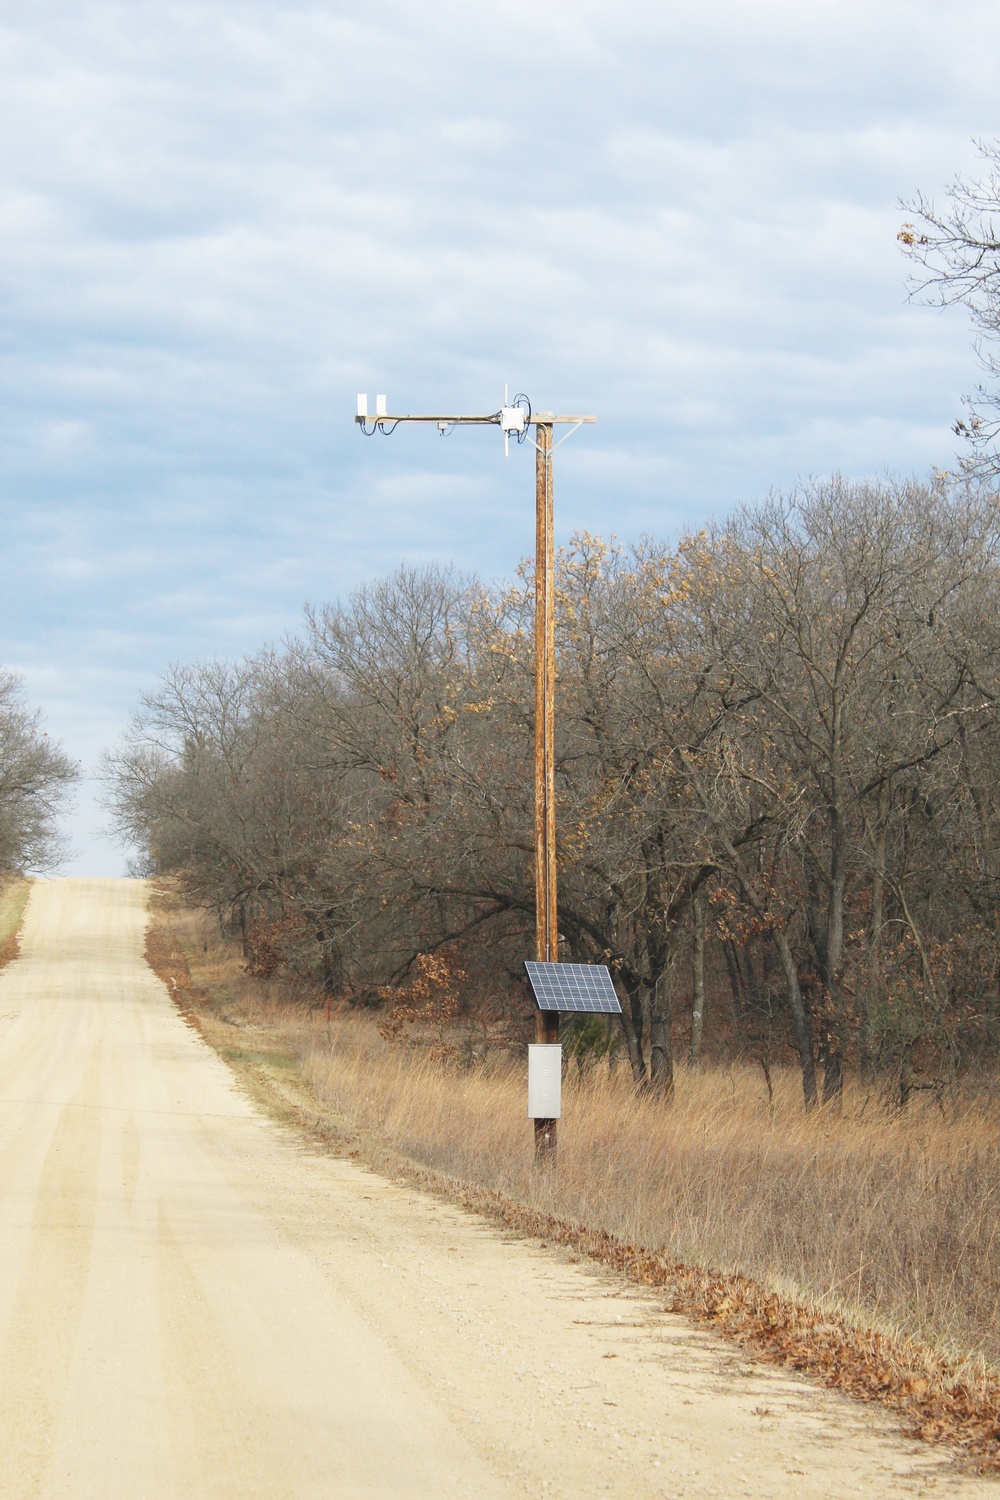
887, 1218
14, 893
867, 1235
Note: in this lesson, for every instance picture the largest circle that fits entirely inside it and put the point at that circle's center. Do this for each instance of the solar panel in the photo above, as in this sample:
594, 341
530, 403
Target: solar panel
577, 988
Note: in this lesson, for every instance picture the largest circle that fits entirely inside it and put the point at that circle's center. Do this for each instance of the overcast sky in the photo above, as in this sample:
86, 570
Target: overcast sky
221, 220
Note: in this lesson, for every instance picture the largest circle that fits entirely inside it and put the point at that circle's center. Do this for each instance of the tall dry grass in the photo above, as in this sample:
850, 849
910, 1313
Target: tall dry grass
885, 1218
890, 1218
14, 893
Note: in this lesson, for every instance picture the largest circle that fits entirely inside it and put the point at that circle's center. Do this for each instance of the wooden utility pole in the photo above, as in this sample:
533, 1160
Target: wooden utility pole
517, 419
546, 905
546, 902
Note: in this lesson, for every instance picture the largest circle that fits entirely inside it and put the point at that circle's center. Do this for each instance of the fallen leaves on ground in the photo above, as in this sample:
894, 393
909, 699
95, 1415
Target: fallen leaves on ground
861, 1362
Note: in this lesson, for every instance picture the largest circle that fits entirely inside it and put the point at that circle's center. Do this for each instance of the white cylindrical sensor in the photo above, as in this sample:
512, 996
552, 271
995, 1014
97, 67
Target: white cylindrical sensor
544, 1080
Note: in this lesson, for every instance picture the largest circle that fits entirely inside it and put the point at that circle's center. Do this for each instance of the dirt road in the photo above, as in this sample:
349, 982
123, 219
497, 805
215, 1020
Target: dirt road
193, 1304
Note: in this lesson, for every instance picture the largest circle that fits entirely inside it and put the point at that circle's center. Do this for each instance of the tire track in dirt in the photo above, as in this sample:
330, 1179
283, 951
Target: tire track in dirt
39, 1340
196, 1303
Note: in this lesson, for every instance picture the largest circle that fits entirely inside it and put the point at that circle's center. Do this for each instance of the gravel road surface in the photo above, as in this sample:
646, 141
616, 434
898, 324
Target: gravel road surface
195, 1304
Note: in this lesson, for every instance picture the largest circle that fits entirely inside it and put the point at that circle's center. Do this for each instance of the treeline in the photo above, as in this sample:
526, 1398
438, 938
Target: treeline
35, 777
777, 743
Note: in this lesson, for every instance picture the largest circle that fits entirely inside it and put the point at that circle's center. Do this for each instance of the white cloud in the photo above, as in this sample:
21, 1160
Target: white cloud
220, 220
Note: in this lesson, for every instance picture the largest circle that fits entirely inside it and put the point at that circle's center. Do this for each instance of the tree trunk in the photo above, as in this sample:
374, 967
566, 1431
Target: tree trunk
698, 982
826, 931
832, 1058
633, 1026
873, 985
661, 1056
331, 964
800, 1019
833, 964
735, 978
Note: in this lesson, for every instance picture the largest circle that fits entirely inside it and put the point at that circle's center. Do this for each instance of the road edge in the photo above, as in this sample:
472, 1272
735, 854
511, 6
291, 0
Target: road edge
14, 893
914, 1382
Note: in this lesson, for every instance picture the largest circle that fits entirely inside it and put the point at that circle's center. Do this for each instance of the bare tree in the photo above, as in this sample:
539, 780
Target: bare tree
791, 724
35, 777
957, 252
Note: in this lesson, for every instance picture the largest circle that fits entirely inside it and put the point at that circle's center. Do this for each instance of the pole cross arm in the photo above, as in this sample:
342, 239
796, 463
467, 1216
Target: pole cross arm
467, 419
550, 419
516, 419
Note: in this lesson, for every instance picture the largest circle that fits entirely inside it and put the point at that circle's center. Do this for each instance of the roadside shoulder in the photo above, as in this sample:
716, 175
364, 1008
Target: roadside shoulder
14, 893
932, 1397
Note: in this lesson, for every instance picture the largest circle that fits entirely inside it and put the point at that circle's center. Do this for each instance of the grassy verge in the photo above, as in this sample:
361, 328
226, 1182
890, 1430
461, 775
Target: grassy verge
14, 893
858, 1248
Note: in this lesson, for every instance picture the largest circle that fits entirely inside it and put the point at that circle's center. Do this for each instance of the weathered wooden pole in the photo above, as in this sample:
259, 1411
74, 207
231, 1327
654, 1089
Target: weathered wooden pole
546, 902
517, 419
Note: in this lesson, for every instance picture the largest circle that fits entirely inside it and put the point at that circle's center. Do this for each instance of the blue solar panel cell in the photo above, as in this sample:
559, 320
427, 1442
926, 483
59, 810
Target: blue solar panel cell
573, 988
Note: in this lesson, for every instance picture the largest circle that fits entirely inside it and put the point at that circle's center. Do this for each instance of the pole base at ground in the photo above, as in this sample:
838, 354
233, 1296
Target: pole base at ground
545, 1141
